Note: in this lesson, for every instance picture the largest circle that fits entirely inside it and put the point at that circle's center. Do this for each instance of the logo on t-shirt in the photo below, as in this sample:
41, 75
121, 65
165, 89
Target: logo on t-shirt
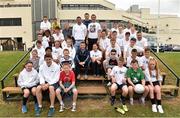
92, 28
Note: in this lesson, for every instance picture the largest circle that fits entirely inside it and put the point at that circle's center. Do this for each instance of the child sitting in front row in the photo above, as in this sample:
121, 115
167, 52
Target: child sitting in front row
28, 81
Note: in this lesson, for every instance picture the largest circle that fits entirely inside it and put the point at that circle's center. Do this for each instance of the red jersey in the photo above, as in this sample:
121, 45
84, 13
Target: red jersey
67, 78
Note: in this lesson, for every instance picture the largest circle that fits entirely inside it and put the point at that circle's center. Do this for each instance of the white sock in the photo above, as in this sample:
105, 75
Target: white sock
61, 103
40, 106
51, 106
74, 104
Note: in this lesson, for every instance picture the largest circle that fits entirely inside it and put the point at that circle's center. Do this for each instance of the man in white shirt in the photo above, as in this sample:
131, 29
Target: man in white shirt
79, 32
96, 56
45, 24
127, 29
113, 45
58, 35
132, 45
115, 28
94, 30
104, 42
145, 59
141, 41
49, 77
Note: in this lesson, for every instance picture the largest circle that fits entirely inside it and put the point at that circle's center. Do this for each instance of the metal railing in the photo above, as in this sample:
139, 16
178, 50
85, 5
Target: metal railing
14, 67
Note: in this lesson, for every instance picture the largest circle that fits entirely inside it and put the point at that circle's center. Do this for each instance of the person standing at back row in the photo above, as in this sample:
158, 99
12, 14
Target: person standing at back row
86, 21
79, 32
94, 30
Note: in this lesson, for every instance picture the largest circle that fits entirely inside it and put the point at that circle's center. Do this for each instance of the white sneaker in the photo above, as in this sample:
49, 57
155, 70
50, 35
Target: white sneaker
61, 108
73, 108
160, 109
131, 101
154, 108
142, 100
79, 76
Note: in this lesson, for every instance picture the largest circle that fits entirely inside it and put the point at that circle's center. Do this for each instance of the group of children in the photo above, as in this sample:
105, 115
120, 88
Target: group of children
122, 53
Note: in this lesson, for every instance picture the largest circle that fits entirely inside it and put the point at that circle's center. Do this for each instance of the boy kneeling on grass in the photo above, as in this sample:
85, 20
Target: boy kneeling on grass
67, 84
28, 81
119, 82
135, 76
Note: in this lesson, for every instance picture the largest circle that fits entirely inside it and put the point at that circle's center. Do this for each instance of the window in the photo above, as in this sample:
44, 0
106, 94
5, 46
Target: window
10, 22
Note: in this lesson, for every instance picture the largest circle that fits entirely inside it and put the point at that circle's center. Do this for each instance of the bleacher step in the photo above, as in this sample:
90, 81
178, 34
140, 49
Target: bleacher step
93, 90
91, 77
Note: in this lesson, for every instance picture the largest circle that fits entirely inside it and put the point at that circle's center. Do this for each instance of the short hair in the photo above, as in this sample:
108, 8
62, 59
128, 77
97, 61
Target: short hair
133, 39
127, 33
78, 17
45, 17
147, 49
38, 42
28, 62
114, 32
57, 28
65, 50
93, 15
83, 42
139, 32
55, 19
113, 50
121, 59
104, 30
134, 50
34, 50
86, 14
47, 56
48, 48
134, 61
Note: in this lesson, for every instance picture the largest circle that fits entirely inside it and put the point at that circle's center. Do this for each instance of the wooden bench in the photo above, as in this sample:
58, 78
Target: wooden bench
90, 77
92, 90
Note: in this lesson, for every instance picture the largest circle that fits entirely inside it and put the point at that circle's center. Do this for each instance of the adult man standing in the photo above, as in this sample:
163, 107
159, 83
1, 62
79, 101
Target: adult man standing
94, 30
79, 32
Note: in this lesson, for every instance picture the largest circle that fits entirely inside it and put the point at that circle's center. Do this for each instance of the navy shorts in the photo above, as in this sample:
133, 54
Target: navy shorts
120, 86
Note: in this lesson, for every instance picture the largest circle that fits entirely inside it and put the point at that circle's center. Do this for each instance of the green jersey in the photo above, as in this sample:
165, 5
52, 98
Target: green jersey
135, 76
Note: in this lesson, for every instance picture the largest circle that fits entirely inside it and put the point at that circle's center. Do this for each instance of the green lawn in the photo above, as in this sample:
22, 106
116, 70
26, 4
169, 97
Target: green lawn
8, 59
91, 107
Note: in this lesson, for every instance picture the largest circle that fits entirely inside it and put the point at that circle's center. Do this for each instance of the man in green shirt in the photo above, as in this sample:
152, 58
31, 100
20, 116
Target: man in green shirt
135, 76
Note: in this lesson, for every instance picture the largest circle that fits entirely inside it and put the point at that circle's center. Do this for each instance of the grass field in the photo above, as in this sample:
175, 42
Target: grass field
91, 107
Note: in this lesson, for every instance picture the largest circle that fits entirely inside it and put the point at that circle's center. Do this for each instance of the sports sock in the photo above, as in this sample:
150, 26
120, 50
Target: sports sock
153, 101
35, 99
158, 102
24, 100
123, 99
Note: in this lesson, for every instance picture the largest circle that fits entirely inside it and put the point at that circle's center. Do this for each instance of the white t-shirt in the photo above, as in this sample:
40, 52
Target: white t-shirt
93, 29
128, 49
97, 54
119, 42
56, 52
104, 43
142, 43
121, 35
79, 31
41, 52
117, 48
144, 61
119, 74
129, 59
153, 77
59, 37
114, 29
45, 41
45, 25
49, 74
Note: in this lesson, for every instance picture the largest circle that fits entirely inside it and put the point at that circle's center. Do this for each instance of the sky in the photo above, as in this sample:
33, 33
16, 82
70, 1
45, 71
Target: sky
166, 6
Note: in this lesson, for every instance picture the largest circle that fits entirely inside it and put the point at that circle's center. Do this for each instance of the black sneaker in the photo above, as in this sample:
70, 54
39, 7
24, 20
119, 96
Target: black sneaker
38, 111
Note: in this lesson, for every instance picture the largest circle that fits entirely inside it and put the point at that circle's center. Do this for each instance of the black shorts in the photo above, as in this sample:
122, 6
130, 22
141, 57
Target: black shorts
55, 85
147, 83
120, 86
29, 88
156, 83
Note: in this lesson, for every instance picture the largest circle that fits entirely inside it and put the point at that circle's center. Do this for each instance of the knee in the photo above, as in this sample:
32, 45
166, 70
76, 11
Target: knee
33, 91
58, 91
26, 93
51, 89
